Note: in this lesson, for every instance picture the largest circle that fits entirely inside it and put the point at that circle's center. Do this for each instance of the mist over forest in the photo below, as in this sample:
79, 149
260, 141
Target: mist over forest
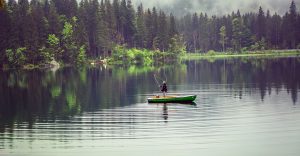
217, 7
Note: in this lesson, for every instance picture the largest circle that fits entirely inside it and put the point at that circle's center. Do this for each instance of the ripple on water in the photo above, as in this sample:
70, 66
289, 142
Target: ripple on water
218, 120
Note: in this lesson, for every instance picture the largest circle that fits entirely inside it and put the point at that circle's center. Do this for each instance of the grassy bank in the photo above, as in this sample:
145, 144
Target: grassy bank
133, 56
220, 55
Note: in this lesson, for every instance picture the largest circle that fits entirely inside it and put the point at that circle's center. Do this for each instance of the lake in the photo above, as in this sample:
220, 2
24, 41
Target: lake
246, 107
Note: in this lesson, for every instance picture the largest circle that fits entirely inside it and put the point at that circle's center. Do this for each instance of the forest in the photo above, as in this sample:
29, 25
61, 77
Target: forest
38, 31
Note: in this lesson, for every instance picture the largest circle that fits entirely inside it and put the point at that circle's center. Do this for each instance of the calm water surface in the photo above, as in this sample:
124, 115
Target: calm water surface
244, 107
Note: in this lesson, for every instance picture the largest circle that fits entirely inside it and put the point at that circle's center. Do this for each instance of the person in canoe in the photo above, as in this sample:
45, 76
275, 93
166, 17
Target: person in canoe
164, 88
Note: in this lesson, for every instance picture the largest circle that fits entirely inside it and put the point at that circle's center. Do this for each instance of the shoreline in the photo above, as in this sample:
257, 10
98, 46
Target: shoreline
187, 56
220, 55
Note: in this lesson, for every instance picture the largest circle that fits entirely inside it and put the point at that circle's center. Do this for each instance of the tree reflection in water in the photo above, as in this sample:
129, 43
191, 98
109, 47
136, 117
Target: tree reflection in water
45, 95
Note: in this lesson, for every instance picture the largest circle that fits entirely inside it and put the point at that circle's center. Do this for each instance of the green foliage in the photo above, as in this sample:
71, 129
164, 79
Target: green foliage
81, 57
46, 55
67, 31
54, 47
53, 40
259, 45
71, 99
177, 46
132, 56
16, 58
237, 33
66, 49
211, 53
55, 91
223, 37
51, 30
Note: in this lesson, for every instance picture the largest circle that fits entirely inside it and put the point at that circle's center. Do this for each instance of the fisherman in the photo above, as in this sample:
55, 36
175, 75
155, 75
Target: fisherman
164, 88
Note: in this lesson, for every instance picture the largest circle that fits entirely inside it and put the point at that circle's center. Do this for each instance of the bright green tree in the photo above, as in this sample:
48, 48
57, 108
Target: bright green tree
223, 38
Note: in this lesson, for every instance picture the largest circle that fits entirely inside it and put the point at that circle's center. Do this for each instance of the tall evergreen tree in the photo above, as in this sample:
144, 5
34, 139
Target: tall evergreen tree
237, 26
118, 21
260, 24
194, 31
129, 28
154, 29
292, 25
172, 26
140, 27
275, 26
163, 36
148, 29
4, 29
110, 19
24, 22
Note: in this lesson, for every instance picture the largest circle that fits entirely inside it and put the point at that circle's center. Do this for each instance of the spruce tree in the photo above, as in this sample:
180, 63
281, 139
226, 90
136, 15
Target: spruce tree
111, 21
129, 28
194, 31
154, 29
260, 24
140, 26
292, 25
4, 29
148, 29
237, 33
163, 35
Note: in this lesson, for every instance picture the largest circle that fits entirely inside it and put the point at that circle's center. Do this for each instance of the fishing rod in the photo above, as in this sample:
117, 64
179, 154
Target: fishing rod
156, 80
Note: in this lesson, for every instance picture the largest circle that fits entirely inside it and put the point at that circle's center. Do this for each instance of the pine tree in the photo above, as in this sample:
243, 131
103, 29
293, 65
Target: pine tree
13, 38
23, 23
140, 26
269, 25
4, 29
261, 25
81, 30
91, 21
292, 25
103, 36
118, 21
72, 8
237, 33
194, 31
148, 29
54, 25
154, 29
123, 19
275, 30
283, 31
111, 21
172, 26
129, 28
163, 35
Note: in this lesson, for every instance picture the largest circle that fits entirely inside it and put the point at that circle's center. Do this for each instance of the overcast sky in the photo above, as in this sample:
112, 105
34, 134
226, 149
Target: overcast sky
218, 7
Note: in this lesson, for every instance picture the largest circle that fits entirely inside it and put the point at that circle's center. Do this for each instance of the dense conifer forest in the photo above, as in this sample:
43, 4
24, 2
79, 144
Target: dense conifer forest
37, 31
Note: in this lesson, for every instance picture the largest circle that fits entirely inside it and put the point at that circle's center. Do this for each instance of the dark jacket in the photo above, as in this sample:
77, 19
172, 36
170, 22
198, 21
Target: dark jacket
164, 87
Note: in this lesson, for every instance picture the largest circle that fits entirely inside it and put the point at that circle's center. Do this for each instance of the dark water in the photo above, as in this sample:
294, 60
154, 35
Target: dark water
244, 107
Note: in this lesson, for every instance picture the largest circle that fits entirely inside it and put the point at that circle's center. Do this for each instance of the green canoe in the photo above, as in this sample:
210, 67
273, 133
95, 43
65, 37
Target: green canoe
171, 99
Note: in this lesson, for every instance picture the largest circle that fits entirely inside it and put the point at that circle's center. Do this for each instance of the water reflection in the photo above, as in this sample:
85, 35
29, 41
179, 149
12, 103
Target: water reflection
249, 74
165, 112
97, 103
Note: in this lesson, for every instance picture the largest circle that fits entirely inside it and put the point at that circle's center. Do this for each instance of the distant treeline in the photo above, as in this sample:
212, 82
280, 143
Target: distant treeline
236, 32
36, 31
